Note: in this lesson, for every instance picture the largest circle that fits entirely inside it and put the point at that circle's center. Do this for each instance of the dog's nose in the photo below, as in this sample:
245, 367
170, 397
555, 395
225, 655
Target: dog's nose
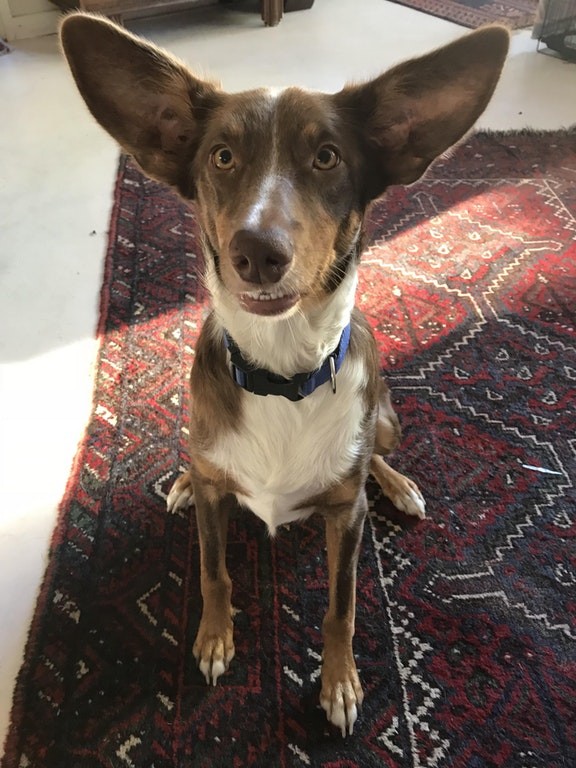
260, 256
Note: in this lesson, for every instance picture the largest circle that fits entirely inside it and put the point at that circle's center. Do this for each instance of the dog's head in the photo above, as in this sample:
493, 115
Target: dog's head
281, 180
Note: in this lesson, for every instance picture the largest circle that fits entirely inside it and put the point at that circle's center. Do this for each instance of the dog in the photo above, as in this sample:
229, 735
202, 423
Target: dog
288, 411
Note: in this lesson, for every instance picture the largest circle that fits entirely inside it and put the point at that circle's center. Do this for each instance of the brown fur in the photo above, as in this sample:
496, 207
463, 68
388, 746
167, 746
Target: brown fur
323, 158
216, 402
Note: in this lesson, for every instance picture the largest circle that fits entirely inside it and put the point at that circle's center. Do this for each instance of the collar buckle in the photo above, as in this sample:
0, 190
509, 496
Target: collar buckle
262, 382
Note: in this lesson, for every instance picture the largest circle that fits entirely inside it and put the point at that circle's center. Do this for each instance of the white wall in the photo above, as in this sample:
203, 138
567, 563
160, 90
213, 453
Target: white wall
27, 18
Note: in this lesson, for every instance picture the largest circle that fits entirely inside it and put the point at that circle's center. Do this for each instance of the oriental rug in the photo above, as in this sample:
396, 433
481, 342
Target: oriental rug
515, 14
466, 621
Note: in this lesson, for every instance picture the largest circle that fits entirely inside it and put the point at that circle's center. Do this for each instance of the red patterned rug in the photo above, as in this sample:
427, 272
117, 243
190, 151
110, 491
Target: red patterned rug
466, 623
515, 14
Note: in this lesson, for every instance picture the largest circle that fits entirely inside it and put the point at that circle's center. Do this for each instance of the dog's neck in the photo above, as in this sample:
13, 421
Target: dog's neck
288, 345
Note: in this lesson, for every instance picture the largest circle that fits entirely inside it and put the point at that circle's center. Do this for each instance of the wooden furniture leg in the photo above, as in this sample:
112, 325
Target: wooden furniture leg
272, 12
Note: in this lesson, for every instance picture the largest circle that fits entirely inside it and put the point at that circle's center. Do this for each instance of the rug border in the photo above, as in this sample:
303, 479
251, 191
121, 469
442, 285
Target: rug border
510, 23
10, 747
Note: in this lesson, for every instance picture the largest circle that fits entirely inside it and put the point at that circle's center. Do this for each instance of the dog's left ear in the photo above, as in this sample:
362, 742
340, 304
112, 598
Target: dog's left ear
417, 110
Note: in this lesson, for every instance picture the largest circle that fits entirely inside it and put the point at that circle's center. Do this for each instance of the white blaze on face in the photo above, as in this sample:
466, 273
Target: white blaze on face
271, 178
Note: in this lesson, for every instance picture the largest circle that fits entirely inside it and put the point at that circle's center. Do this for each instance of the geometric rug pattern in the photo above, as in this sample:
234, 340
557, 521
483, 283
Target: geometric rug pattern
515, 14
466, 621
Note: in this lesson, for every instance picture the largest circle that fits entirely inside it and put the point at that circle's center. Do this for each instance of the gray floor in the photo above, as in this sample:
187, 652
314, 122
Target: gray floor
56, 174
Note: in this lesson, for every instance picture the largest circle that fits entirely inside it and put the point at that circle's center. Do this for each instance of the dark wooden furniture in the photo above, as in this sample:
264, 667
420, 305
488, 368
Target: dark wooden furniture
271, 10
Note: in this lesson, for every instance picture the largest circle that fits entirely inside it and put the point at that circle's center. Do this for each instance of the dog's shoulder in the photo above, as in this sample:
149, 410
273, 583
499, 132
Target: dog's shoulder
216, 406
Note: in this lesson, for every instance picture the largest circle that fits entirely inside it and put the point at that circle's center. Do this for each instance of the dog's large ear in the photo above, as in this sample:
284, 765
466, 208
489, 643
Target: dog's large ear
148, 101
417, 110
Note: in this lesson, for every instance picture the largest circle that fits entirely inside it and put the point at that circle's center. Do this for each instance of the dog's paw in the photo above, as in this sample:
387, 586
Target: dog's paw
214, 652
340, 698
402, 492
408, 499
181, 494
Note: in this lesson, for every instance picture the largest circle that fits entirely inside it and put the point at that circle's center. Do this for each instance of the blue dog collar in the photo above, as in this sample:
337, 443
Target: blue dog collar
263, 382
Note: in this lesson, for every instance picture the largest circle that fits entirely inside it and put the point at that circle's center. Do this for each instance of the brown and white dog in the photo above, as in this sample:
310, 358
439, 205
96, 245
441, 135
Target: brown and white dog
288, 411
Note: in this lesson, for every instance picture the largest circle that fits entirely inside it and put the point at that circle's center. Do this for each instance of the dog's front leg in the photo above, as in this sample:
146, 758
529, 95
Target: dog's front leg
214, 645
341, 693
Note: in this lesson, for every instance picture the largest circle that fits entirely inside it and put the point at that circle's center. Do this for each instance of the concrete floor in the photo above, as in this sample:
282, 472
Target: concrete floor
57, 170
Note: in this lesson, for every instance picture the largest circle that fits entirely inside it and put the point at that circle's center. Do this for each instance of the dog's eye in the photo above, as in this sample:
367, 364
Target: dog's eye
222, 158
326, 158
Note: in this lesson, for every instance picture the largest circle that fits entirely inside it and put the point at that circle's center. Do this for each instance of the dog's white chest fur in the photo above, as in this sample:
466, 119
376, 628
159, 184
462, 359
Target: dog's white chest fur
287, 452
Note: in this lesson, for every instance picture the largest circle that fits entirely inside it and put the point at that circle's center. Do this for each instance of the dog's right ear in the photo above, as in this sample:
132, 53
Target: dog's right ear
147, 100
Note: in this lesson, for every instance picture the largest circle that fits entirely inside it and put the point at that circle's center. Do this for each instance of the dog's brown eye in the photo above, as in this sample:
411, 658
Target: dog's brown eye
326, 158
223, 158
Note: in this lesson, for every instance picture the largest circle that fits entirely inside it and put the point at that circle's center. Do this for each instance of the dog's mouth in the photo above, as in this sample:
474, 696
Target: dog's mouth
268, 302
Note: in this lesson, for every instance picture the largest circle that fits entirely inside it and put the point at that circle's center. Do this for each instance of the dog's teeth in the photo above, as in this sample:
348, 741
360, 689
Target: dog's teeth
261, 296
